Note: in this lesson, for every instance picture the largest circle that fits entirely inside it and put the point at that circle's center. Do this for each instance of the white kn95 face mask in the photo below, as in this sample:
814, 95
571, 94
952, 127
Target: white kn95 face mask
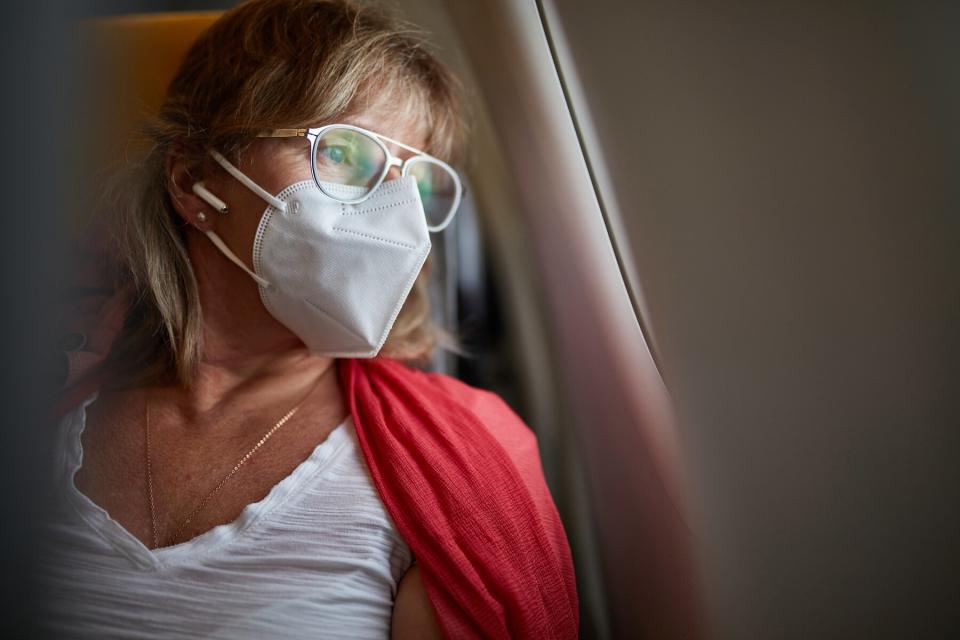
336, 274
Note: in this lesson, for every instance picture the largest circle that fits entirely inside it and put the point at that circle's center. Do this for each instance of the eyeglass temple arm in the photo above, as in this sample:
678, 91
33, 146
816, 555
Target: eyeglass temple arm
302, 133
283, 133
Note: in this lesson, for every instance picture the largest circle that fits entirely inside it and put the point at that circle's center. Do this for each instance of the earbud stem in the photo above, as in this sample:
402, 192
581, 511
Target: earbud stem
215, 202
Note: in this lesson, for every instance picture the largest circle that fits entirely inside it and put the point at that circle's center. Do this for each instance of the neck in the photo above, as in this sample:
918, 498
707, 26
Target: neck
249, 358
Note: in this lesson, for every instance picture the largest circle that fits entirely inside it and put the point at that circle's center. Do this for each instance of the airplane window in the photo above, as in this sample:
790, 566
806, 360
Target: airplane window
778, 177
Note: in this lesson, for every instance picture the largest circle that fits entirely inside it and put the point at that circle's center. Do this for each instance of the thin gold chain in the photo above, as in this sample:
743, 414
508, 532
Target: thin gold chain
153, 510
216, 490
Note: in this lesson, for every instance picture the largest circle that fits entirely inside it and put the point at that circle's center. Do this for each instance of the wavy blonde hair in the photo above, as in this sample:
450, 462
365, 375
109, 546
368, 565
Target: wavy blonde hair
264, 64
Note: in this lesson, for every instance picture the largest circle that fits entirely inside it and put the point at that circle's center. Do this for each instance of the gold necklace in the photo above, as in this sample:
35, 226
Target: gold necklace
216, 490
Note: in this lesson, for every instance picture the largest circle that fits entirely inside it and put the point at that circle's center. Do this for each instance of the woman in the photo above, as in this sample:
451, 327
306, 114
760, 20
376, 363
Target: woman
235, 460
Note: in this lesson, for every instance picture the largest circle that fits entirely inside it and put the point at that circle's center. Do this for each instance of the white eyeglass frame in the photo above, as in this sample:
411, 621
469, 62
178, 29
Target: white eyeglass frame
315, 133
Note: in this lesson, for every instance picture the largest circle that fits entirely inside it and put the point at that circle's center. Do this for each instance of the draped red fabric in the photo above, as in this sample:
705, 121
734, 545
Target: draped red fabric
460, 475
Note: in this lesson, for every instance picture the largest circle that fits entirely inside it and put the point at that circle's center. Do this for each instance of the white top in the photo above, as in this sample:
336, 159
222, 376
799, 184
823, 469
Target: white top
317, 557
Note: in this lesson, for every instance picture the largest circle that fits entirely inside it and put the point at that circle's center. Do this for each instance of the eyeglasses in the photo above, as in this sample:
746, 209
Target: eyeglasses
342, 155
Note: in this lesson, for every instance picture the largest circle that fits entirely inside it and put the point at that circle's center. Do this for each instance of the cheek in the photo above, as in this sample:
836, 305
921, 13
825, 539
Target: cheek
296, 170
274, 172
285, 166
239, 226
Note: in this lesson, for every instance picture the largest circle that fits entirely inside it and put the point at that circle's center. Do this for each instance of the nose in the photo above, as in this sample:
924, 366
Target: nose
393, 173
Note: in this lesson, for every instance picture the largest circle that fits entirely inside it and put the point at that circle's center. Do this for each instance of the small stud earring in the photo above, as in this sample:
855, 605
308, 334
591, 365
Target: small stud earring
201, 217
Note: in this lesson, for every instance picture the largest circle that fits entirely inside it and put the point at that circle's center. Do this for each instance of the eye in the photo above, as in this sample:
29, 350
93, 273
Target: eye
335, 153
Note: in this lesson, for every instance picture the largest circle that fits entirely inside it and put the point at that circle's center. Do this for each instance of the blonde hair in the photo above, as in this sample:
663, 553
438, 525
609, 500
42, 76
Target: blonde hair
264, 64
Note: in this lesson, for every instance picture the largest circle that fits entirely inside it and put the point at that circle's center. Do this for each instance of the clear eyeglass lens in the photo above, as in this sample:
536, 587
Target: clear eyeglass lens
438, 189
350, 158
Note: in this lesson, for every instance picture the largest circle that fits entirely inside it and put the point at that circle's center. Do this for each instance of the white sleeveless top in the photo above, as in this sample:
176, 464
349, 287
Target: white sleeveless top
317, 557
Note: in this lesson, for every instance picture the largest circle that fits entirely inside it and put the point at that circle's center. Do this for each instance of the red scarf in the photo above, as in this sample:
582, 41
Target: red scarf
458, 472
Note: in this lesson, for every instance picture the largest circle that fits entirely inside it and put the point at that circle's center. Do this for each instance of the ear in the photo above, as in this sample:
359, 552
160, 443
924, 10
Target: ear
190, 207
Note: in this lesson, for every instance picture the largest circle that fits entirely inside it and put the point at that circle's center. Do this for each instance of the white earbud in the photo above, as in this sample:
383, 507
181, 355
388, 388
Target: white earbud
211, 199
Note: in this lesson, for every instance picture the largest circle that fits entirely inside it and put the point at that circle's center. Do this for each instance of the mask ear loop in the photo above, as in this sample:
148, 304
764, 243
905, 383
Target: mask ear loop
250, 184
257, 189
218, 241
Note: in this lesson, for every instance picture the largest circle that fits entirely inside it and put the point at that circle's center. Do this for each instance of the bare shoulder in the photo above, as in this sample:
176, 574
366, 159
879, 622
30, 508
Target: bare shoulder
413, 617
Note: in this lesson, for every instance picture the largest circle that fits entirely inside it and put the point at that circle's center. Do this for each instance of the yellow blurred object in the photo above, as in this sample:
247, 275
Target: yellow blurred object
128, 62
